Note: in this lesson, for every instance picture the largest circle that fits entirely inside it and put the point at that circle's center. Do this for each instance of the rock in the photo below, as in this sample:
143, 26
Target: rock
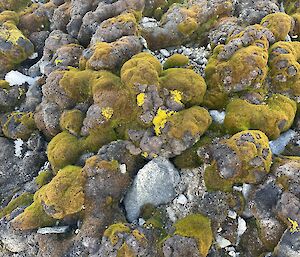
154, 184
53, 230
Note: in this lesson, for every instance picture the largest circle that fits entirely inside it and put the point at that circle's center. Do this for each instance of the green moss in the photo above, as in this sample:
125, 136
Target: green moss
24, 199
291, 6
14, 5
113, 230
284, 68
188, 82
125, 251
198, 227
176, 60
9, 16
43, 178
64, 149
280, 24
142, 68
23, 121
194, 121
62, 197
225, 78
4, 84
71, 121
272, 118
214, 182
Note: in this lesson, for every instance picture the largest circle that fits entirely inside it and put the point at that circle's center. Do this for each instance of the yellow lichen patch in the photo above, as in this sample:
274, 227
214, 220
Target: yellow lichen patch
58, 61
113, 230
107, 112
138, 235
198, 227
145, 154
160, 120
140, 99
177, 96
294, 226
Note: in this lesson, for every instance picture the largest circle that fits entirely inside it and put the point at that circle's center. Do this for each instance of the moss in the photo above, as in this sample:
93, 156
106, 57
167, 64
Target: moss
24, 199
291, 6
4, 85
296, 29
214, 182
19, 125
280, 24
62, 197
71, 121
14, 5
190, 84
284, 68
113, 230
251, 149
125, 251
64, 149
198, 227
232, 76
194, 121
9, 16
176, 60
43, 178
272, 118
142, 68
188, 26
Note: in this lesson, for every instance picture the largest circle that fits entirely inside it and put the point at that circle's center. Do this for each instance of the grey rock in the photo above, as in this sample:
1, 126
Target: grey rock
155, 184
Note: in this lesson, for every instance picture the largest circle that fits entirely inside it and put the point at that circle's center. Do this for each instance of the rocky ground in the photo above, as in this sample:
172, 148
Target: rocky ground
158, 128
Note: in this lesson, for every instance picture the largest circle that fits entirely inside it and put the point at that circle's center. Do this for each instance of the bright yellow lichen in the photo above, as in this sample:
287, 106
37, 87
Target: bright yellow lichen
107, 112
177, 96
160, 120
140, 99
294, 226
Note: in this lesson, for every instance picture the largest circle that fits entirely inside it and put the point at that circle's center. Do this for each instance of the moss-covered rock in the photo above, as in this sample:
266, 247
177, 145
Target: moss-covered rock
280, 24
189, 84
244, 158
14, 5
18, 125
14, 47
64, 149
291, 6
62, 197
272, 118
71, 121
284, 68
176, 60
43, 178
198, 227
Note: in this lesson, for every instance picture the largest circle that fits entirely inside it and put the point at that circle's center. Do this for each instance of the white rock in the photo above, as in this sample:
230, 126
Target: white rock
17, 78
123, 168
53, 230
164, 52
154, 183
217, 116
18, 147
232, 214
33, 56
242, 226
278, 145
181, 199
222, 242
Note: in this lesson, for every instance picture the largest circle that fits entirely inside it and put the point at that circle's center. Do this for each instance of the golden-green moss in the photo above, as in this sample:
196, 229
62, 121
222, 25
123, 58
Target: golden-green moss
24, 199
272, 118
14, 5
25, 123
284, 68
71, 121
194, 121
296, 29
232, 76
64, 149
43, 178
125, 251
176, 60
9, 16
198, 227
280, 24
142, 68
251, 149
188, 26
62, 197
192, 85
4, 84
214, 182
291, 6
113, 230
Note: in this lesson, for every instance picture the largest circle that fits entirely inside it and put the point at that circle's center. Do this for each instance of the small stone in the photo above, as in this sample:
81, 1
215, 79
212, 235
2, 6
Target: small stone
53, 230
181, 199
222, 242
123, 168
164, 52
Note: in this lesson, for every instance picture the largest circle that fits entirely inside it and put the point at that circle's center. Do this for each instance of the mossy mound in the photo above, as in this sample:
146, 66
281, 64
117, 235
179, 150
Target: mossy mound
64, 149
284, 68
272, 118
176, 60
245, 71
198, 227
14, 5
291, 6
62, 197
191, 85
244, 158
71, 121
18, 125
280, 24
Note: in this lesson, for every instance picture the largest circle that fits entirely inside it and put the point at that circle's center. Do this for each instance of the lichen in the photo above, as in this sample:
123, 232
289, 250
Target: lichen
140, 99
160, 120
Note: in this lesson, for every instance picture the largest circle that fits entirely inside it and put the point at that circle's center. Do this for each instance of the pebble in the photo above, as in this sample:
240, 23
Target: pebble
53, 230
